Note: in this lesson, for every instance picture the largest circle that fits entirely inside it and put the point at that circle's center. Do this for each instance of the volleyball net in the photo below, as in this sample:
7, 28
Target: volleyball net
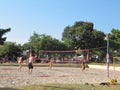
64, 56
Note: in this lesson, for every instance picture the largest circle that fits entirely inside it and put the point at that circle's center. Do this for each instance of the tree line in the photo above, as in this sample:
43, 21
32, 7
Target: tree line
81, 35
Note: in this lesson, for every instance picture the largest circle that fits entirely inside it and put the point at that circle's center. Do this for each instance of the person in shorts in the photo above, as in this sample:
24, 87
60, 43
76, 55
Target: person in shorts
83, 65
30, 63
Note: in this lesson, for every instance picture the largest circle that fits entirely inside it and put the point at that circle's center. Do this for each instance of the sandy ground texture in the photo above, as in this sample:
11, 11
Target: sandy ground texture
10, 76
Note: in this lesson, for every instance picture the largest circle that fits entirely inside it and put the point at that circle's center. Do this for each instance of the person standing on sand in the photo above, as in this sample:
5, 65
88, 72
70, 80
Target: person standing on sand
51, 63
83, 65
19, 59
30, 63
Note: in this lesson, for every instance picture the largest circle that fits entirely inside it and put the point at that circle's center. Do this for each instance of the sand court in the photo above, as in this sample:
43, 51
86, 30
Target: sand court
10, 76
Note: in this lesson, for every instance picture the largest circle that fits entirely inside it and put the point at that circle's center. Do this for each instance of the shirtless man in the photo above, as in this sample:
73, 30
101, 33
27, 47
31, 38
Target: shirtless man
30, 63
19, 59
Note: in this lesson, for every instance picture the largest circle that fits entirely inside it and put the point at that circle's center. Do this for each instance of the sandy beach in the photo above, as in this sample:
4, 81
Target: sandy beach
10, 76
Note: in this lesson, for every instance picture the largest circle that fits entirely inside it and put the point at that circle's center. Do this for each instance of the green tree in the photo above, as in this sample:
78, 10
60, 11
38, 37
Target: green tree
82, 36
26, 46
35, 42
49, 43
115, 41
2, 32
45, 42
10, 49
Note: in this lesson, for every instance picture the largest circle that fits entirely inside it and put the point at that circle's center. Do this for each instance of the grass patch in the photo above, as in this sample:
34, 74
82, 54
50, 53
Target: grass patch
67, 87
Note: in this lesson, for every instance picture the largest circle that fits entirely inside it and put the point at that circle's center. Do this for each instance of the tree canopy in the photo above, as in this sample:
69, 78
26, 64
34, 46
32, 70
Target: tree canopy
3, 32
115, 40
44, 42
82, 35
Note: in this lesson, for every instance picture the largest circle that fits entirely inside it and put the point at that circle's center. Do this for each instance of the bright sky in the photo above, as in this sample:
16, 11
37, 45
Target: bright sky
50, 17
